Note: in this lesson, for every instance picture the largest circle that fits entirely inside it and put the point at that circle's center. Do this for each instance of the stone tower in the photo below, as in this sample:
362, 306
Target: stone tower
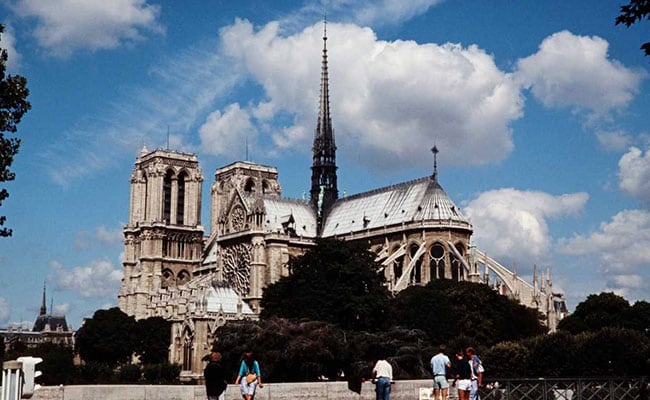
164, 238
324, 191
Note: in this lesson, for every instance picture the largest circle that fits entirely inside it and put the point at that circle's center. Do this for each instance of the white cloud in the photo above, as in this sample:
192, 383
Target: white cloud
386, 11
181, 90
511, 225
226, 133
108, 236
614, 140
361, 12
99, 279
8, 42
101, 236
4, 311
576, 72
62, 309
620, 249
68, 25
634, 174
388, 100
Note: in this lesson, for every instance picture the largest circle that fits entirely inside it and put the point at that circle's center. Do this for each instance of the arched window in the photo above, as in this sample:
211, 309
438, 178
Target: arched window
265, 186
183, 277
437, 261
180, 205
167, 196
188, 343
398, 266
167, 278
250, 185
456, 264
416, 272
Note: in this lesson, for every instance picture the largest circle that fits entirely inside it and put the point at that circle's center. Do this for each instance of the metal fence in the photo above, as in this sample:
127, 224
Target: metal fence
634, 388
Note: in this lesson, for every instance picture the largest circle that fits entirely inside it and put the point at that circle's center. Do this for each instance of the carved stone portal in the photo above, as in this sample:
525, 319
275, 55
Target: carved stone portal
237, 266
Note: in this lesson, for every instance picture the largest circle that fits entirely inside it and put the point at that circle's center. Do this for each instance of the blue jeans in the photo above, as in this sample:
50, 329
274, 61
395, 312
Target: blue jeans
473, 391
383, 388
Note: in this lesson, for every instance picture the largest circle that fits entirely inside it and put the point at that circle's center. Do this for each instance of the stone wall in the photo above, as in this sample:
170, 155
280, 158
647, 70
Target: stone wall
402, 390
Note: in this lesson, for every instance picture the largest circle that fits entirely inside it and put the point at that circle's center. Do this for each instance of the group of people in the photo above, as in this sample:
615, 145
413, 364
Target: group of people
249, 377
466, 370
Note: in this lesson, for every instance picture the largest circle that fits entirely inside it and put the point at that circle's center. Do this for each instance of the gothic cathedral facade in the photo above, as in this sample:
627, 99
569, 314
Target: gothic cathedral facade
172, 269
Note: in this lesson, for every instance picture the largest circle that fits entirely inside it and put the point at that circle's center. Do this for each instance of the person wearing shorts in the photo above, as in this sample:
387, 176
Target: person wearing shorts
439, 364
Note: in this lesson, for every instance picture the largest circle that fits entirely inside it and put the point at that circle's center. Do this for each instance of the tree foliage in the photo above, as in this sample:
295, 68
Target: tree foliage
464, 313
304, 351
607, 309
107, 337
13, 105
153, 336
335, 281
635, 10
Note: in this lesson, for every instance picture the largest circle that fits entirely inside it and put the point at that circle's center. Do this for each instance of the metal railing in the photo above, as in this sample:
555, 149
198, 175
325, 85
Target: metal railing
606, 388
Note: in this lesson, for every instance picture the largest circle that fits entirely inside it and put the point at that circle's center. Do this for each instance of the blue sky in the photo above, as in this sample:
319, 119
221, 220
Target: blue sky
539, 109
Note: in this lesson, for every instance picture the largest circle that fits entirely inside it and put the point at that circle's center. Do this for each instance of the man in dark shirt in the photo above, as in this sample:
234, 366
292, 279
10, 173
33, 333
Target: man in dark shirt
215, 378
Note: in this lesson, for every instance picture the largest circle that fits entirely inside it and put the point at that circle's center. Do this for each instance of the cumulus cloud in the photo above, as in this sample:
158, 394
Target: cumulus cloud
614, 140
99, 279
511, 225
385, 11
634, 174
8, 42
389, 99
576, 72
68, 25
100, 236
4, 310
622, 249
226, 133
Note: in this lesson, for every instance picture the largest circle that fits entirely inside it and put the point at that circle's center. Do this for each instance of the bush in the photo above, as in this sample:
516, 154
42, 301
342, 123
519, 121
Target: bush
129, 373
161, 374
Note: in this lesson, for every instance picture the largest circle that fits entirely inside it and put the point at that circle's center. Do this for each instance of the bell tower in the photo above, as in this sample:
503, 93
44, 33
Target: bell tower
324, 191
163, 240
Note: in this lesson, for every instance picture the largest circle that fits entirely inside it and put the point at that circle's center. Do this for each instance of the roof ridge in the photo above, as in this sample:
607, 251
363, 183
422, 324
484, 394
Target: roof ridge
385, 188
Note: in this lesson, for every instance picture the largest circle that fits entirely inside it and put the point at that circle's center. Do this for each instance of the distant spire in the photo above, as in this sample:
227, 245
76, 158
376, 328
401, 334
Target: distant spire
43, 306
434, 150
324, 190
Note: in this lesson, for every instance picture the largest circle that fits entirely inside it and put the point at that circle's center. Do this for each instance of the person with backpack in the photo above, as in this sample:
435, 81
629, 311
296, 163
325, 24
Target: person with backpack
477, 373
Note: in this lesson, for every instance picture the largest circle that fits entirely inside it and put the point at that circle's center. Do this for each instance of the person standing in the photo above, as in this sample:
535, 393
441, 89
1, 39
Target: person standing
477, 373
215, 378
382, 375
462, 373
439, 364
249, 376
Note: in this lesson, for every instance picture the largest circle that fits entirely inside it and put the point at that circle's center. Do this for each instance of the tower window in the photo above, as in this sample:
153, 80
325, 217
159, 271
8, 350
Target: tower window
180, 207
167, 196
250, 185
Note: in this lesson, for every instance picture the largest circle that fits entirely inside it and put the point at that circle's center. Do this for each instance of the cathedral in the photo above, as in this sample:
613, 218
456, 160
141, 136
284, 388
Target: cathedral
198, 282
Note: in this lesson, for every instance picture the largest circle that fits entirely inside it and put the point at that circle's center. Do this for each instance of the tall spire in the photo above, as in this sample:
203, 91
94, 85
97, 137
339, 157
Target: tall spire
434, 150
43, 306
324, 191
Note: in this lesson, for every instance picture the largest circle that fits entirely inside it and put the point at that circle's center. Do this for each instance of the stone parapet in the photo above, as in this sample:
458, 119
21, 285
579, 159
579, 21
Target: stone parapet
402, 390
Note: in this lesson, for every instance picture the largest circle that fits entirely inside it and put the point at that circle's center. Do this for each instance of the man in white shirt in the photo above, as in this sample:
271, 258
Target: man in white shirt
382, 375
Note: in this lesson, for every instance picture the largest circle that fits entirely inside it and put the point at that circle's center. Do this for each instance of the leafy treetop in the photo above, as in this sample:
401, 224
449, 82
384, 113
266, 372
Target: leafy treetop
13, 105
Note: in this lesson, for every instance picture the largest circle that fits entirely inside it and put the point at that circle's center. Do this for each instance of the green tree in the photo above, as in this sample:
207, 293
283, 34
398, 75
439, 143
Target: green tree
107, 337
335, 281
13, 105
598, 311
58, 366
464, 313
635, 10
153, 336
